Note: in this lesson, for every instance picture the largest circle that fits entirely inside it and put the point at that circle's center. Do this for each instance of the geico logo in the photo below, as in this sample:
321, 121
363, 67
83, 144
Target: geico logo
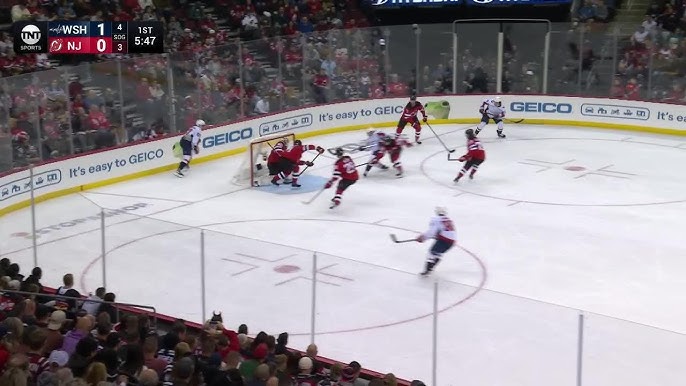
146, 156
538, 107
224, 138
385, 110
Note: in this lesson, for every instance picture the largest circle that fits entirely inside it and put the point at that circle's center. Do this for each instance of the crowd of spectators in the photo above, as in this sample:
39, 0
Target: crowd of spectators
86, 341
652, 64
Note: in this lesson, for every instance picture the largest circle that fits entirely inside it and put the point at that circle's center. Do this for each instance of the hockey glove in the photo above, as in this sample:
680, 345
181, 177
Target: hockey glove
481, 111
320, 149
196, 149
420, 239
328, 184
309, 163
361, 148
425, 119
462, 159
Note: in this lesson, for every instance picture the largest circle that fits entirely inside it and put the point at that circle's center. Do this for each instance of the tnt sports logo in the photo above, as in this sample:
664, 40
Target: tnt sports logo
30, 34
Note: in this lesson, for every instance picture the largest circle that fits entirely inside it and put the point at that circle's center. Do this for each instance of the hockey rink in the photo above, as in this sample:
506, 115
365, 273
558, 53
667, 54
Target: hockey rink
557, 220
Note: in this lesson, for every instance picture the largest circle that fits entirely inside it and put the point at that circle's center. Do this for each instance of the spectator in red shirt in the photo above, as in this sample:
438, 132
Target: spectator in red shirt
632, 91
617, 89
320, 85
104, 137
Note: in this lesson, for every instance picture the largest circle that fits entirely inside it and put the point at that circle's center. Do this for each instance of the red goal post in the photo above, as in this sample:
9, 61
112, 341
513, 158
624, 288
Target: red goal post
253, 168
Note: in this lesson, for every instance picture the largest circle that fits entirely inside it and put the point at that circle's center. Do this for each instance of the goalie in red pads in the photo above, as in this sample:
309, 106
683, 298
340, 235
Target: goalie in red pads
410, 112
394, 147
283, 162
345, 172
475, 156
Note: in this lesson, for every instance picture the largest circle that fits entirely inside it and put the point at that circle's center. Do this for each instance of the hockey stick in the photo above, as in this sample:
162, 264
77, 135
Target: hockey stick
514, 120
311, 200
439, 138
395, 239
313, 159
453, 159
347, 147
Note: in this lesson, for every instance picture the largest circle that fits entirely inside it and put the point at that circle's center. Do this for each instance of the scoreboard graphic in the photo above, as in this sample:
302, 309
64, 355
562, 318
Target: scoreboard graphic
88, 37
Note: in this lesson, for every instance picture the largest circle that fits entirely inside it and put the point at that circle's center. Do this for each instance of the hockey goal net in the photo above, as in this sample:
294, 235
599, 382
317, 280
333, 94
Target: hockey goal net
253, 169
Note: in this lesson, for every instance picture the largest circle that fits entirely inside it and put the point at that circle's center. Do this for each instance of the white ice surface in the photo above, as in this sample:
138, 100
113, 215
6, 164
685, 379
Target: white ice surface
538, 243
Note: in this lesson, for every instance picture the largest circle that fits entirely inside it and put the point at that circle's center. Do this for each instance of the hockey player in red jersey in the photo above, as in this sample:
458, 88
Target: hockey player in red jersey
345, 172
295, 156
394, 146
289, 161
410, 112
475, 156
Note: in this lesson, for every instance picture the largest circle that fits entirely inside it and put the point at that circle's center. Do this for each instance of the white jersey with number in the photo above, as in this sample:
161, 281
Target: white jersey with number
441, 228
193, 135
489, 108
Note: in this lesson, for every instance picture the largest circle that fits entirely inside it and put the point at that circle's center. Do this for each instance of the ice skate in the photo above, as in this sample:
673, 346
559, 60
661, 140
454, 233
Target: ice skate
178, 174
501, 135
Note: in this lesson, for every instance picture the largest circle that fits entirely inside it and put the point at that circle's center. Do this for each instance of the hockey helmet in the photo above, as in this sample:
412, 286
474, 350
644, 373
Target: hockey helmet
469, 133
441, 211
297, 142
339, 152
200, 123
497, 101
388, 140
413, 97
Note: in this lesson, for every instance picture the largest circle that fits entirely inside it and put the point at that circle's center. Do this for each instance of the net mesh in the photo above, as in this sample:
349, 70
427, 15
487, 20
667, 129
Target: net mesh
253, 169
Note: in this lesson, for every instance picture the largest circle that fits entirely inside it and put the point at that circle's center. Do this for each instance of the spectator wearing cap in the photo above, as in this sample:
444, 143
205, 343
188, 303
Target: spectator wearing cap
305, 375
54, 339
92, 304
56, 364
82, 329
259, 354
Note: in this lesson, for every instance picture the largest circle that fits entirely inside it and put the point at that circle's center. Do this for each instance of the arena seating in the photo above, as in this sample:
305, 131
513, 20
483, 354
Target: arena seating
46, 339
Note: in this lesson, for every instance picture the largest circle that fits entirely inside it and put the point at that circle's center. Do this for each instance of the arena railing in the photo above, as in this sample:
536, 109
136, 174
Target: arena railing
147, 96
50, 293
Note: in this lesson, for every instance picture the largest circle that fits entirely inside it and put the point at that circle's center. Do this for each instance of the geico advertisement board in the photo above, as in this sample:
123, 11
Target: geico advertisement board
121, 162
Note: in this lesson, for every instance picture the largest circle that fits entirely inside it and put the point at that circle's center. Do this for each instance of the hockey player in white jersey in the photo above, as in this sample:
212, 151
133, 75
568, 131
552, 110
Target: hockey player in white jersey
190, 143
492, 109
374, 143
442, 230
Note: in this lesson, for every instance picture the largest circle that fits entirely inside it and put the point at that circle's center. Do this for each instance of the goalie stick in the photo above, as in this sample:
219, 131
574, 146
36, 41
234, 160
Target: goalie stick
395, 239
439, 139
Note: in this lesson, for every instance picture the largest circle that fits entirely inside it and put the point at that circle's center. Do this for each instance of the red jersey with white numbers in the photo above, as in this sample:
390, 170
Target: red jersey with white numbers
344, 168
475, 150
411, 111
